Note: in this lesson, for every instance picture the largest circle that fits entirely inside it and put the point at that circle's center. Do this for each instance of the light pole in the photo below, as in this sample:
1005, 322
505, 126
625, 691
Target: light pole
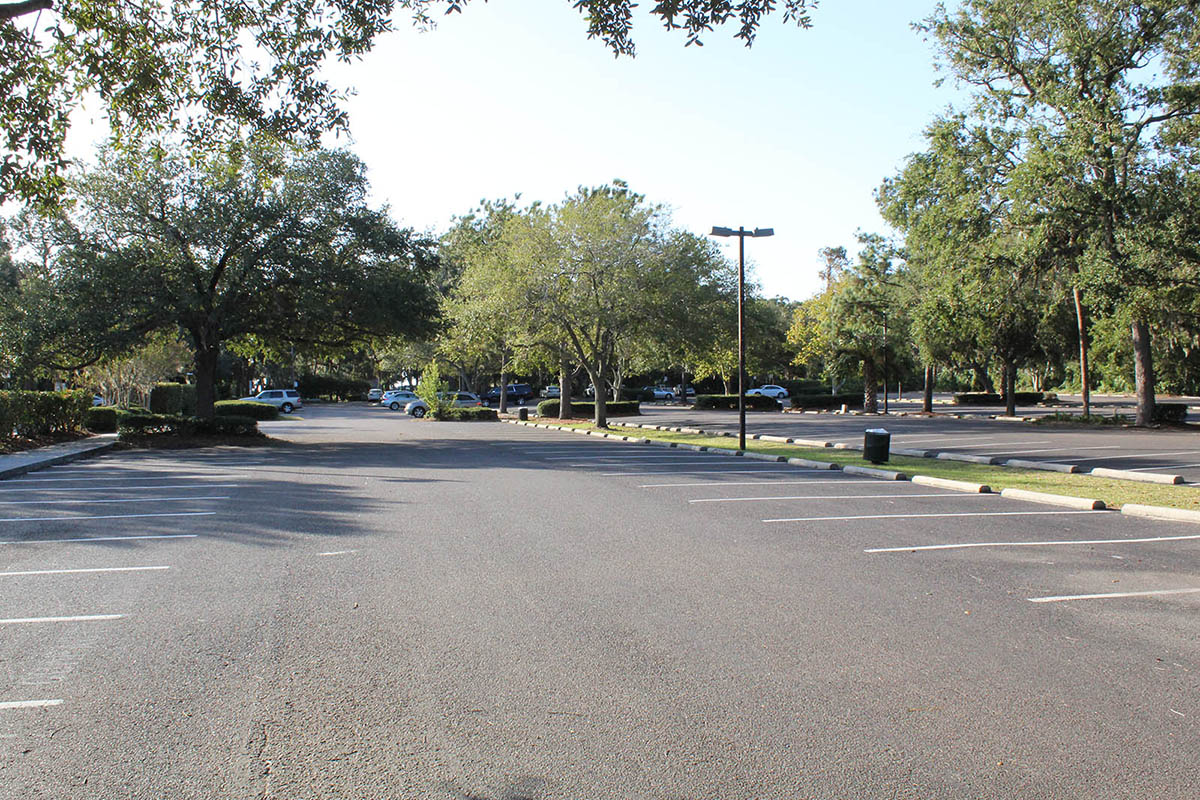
741, 233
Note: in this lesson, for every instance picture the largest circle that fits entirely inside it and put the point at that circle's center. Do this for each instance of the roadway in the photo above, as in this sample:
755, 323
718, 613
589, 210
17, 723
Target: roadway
381, 607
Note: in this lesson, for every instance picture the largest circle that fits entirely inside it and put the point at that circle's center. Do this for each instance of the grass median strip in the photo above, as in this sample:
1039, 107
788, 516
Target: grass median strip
1114, 493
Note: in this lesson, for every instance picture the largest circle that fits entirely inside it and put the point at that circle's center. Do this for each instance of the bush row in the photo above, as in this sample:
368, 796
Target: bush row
1170, 412
730, 401
333, 387
624, 408
40, 413
264, 412
828, 401
468, 414
993, 399
133, 423
173, 398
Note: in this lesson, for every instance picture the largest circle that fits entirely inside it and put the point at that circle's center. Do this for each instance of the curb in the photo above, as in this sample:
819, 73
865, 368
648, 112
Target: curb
946, 483
804, 462
1160, 512
1082, 503
1048, 466
884, 474
989, 460
1144, 477
34, 463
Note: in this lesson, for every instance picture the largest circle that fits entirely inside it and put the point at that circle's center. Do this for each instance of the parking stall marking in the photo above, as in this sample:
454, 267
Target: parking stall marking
768, 482
945, 495
110, 500
698, 470
1060, 449
104, 538
1162, 466
101, 480
111, 516
1139, 455
15, 704
925, 516
79, 618
1060, 543
1062, 598
123, 488
79, 571
638, 456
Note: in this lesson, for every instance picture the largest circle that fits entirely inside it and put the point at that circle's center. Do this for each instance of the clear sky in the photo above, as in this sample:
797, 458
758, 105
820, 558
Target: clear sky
795, 133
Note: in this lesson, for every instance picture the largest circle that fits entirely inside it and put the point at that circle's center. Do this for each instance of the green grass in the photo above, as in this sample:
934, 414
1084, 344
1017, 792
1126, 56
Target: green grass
1114, 493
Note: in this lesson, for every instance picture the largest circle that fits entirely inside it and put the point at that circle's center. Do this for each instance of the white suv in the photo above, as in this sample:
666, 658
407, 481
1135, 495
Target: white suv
286, 400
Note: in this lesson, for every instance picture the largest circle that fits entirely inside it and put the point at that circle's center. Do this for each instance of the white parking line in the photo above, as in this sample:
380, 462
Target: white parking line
966, 545
82, 618
923, 516
337, 553
1162, 466
27, 490
77, 571
98, 480
111, 516
104, 538
117, 500
827, 497
13, 704
623, 457
1065, 597
1060, 449
808, 482
698, 470
1005, 444
941, 439
1141, 455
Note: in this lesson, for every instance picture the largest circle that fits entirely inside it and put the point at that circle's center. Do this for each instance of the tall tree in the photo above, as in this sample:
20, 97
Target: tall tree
261, 240
1101, 78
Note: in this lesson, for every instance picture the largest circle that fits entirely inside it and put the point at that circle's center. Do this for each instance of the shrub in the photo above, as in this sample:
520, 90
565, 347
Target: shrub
225, 425
993, 399
41, 413
137, 424
828, 401
166, 398
805, 386
727, 402
1170, 413
469, 414
334, 387
101, 419
624, 408
187, 399
246, 408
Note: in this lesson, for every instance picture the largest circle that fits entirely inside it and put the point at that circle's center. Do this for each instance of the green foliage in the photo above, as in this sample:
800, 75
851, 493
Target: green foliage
468, 414
166, 398
991, 398
101, 419
827, 401
246, 408
333, 387
623, 408
136, 425
730, 402
1170, 413
41, 413
433, 390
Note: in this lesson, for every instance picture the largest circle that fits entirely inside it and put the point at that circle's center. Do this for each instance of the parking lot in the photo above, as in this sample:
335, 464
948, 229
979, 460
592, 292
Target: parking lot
387, 607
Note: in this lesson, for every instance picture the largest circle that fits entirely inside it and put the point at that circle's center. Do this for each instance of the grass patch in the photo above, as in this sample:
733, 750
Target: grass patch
1114, 493
1090, 420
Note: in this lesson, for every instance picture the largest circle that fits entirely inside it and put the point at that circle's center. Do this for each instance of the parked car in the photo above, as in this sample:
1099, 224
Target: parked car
691, 391
396, 399
659, 393
519, 393
374, 395
286, 400
769, 390
552, 392
419, 408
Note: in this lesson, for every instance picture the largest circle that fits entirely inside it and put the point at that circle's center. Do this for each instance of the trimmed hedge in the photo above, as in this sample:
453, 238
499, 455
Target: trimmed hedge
41, 413
334, 387
101, 419
828, 401
623, 408
468, 414
1171, 413
138, 424
246, 408
993, 399
166, 398
729, 402
805, 386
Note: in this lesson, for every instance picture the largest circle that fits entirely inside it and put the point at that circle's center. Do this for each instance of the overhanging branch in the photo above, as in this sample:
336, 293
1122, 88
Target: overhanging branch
14, 10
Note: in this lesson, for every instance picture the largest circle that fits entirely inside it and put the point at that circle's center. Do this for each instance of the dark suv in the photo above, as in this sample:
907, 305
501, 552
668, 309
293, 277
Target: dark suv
519, 393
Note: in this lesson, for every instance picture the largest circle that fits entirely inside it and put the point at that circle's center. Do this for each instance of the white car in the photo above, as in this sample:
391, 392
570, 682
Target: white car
374, 395
396, 399
552, 392
659, 393
286, 400
770, 390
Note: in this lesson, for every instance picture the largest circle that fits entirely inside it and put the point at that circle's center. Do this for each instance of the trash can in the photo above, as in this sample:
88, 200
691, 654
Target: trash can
522, 413
876, 442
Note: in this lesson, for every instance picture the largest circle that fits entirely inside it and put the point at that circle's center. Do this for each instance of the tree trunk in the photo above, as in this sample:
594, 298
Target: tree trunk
206, 381
927, 397
564, 387
1010, 388
725, 384
1081, 322
1143, 372
503, 408
870, 390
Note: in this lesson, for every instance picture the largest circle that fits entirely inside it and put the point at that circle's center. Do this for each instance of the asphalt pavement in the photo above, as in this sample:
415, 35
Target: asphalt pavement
380, 607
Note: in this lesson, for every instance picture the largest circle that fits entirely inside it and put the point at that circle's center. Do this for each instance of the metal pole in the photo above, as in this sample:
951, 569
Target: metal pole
885, 375
741, 338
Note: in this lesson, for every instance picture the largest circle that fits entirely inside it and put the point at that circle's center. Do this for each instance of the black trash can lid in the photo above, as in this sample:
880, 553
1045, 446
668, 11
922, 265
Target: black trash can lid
876, 430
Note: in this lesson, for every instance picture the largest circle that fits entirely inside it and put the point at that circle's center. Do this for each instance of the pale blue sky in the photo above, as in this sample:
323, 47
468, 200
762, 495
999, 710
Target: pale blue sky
510, 97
